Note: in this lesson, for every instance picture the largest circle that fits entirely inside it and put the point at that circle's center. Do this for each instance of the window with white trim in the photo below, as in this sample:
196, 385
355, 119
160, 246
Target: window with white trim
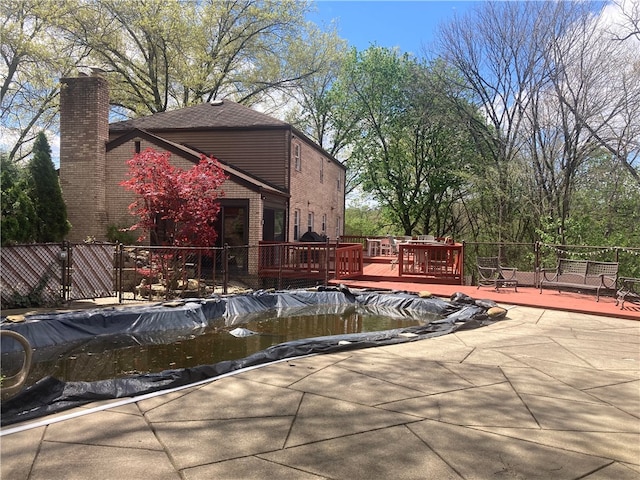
324, 223
321, 170
296, 224
310, 222
297, 161
337, 227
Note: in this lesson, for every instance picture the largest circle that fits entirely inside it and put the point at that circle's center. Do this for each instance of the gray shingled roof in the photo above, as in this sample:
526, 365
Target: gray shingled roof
226, 114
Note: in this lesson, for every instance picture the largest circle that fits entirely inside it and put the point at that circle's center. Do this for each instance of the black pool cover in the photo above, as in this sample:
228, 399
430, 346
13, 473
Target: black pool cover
50, 395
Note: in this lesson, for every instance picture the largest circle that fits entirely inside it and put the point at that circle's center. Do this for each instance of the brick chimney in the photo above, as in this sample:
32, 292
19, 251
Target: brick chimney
84, 132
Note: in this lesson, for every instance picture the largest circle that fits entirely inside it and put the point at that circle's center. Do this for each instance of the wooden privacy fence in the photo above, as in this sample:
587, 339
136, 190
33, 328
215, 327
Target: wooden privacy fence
51, 273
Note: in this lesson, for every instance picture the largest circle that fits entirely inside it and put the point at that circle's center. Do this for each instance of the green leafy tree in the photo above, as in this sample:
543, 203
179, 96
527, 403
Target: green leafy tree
410, 152
605, 205
18, 214
365, 220
44, 189
314, 103
556, 87
157, 55
322, 106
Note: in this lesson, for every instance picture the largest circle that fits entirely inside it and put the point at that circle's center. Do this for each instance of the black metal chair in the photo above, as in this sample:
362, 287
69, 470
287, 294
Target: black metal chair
491, 273
629, 291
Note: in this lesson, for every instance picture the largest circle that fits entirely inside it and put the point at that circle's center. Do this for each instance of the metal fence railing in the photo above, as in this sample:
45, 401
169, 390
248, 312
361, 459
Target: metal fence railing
530, 258
50, 274
31, 274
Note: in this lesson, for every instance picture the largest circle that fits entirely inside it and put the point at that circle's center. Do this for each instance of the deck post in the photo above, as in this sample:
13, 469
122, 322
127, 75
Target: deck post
225, 266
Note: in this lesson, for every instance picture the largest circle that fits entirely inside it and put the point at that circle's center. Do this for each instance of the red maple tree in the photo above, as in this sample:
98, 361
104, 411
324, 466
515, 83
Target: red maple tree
187, 200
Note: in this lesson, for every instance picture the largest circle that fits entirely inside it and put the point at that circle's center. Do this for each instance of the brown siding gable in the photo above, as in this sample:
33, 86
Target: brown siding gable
193, 156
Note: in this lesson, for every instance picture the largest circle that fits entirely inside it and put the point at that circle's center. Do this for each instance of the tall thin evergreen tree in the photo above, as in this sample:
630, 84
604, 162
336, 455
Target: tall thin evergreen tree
45, 193
17, 215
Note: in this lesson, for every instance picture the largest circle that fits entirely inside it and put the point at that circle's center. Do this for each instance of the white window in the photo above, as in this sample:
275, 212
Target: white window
296, 224
310, 222
321, 170
324, 223
339, 182
296, 157
337, 227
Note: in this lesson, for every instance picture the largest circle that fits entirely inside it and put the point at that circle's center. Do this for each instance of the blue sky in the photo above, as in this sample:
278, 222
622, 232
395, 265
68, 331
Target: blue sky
408, 25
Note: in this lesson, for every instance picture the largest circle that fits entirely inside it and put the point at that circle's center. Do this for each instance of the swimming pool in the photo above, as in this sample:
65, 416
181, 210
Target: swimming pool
111, 353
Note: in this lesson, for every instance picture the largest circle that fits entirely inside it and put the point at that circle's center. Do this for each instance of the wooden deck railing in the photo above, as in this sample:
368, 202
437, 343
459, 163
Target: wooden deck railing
313, 260
349, 261
444, 262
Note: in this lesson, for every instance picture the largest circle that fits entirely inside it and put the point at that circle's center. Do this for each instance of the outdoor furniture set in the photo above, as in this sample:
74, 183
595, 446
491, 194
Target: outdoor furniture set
568, 274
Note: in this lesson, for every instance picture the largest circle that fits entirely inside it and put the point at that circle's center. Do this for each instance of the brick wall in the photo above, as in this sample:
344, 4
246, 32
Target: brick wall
84, 129
314, 189
118, 198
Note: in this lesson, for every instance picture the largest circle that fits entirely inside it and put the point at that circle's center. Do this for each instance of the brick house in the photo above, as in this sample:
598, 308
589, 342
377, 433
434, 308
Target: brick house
280, 184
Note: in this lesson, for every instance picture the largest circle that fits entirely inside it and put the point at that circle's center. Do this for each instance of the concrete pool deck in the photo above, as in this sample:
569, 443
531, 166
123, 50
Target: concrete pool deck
541, 394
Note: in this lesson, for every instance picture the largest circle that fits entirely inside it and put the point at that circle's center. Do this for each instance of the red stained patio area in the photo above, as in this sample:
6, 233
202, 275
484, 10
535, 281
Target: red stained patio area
381, 274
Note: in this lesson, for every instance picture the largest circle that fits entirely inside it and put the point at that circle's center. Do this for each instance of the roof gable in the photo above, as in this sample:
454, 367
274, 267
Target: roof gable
193, 156
219, 114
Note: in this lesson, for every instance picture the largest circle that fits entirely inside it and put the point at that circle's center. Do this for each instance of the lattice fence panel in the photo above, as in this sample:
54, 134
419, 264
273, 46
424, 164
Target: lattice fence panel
92, 271
31, 271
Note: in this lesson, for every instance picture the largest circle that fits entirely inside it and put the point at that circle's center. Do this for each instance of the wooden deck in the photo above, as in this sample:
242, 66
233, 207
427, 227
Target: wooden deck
387, 268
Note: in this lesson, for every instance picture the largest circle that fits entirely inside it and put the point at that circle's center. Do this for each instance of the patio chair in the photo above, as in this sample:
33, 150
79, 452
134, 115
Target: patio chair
389, 246
392, 250
490, 272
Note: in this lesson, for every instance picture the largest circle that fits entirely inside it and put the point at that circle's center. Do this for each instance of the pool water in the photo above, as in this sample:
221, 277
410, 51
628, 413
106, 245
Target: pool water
107, 357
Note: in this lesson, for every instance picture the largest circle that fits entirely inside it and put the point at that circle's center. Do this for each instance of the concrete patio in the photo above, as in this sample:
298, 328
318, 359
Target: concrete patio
543, 394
